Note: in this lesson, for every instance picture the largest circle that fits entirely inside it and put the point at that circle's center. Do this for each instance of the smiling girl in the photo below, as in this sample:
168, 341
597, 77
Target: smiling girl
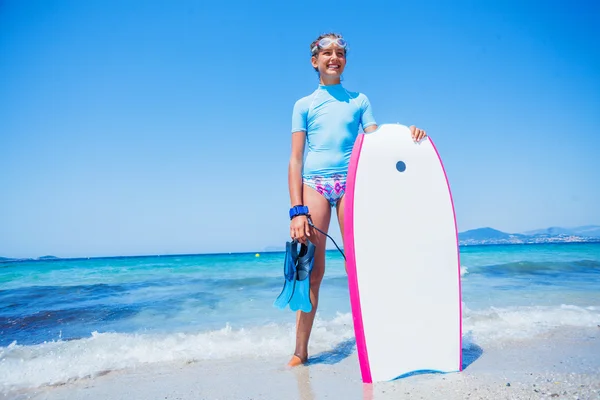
327, 121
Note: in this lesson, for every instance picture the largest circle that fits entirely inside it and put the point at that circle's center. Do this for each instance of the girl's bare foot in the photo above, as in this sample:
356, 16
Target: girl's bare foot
296, 360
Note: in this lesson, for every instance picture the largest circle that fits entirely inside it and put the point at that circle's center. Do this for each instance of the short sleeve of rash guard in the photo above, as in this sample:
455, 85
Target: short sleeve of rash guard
366, 119
299, 116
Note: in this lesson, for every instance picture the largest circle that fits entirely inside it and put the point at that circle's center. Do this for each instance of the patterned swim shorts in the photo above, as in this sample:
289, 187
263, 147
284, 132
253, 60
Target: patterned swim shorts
331, 187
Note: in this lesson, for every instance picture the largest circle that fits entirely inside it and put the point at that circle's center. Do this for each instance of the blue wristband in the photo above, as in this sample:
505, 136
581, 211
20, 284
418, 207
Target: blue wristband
298, 210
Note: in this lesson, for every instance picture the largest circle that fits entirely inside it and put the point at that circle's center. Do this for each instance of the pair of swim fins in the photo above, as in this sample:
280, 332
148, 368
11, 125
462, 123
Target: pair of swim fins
296, 271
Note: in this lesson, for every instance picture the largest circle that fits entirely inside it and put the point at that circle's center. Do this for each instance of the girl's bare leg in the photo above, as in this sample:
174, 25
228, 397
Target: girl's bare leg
340, 215
320, 213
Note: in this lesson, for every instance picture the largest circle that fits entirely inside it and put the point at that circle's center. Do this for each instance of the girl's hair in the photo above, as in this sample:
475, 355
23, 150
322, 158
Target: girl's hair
314, 43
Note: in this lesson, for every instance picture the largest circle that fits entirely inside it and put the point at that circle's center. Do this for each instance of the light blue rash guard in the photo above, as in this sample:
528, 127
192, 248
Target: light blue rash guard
330, 116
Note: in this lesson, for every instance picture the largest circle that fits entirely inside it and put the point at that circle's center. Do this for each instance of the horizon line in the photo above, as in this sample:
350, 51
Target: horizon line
6, 260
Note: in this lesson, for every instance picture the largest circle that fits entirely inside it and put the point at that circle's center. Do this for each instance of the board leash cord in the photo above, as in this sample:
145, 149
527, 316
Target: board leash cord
338, 247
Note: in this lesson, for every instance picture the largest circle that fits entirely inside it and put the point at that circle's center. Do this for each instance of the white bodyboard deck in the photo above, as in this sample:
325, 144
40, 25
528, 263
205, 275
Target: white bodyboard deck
401, 244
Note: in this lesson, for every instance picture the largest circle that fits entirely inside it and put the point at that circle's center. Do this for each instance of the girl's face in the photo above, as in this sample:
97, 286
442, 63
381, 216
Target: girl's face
330, 62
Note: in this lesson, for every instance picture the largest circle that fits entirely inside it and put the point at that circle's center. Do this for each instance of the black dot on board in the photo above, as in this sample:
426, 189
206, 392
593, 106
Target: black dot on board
401, 166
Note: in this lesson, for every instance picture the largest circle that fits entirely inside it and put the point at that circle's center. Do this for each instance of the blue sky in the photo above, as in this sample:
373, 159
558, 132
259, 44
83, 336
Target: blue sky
161, 127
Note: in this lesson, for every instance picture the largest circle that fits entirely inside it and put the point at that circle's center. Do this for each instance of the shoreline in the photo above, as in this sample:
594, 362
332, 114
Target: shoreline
564, 363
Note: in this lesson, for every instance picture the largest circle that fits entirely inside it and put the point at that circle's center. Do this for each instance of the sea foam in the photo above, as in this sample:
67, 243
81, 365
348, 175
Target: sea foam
63, 361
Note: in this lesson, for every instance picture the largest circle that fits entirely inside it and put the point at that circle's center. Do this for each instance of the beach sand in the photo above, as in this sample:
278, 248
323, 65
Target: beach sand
564, 364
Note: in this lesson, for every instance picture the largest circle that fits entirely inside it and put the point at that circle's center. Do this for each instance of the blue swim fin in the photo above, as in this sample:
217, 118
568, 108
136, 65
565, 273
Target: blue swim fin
289, 273
300, 299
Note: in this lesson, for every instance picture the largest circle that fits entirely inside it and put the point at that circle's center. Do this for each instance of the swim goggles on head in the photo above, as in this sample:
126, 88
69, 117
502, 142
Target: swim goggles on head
327, 41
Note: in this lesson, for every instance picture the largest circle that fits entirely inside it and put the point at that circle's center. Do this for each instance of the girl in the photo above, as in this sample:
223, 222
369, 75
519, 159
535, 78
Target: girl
328, 121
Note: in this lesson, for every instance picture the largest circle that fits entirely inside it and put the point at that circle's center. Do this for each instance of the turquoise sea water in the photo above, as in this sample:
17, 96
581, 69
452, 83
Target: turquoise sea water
64, 319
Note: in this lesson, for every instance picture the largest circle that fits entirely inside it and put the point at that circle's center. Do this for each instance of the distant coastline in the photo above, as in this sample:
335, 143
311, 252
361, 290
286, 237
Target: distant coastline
490, 236
471, 243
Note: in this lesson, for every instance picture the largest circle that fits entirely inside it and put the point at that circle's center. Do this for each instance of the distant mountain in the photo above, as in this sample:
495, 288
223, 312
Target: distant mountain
584, 231
588, 230
483, 234
47, 258
6, 259
589, 233
553, 230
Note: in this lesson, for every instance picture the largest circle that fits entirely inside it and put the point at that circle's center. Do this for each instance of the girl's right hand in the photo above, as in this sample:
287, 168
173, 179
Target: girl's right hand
299, 228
